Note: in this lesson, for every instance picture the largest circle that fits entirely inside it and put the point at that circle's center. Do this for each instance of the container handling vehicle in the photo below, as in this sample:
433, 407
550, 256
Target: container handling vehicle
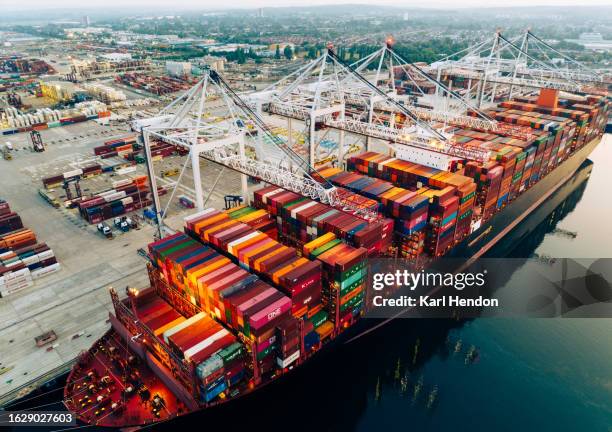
105, 230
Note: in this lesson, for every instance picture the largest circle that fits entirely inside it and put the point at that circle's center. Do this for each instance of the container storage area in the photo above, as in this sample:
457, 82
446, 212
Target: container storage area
127, 195
56, 180
22, 258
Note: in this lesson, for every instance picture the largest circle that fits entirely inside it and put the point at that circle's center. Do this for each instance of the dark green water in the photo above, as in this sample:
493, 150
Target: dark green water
530, 374
544, 375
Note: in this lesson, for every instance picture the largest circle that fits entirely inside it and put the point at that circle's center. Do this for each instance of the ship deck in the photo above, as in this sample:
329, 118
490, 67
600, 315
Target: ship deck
109, 358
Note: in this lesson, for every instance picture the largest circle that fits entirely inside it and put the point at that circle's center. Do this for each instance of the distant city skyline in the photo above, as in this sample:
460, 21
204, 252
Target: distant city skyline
209, 4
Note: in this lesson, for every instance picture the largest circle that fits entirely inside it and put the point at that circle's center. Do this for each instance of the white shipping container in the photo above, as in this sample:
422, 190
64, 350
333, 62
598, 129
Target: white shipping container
115, 196
123, 182
44, 271
127, 200
286, 362
73, 173
25, 272
107, 193
198, 214
31, 260
17, 284
16, 277
46, 254
126, 170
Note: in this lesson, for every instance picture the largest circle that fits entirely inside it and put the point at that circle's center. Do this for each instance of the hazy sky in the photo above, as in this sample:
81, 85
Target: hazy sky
203, 4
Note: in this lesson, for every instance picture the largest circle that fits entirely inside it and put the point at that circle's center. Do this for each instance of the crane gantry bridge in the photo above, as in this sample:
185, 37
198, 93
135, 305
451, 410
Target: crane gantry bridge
359, 99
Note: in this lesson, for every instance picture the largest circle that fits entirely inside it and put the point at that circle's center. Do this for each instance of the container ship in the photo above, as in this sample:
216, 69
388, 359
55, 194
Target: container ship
244, 296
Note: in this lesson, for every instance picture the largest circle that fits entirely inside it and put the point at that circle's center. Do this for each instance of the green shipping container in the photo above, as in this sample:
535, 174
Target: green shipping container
347, 289
319, 318
350, 272
165, 253
318, 251
232, 352
263, 354
351, 280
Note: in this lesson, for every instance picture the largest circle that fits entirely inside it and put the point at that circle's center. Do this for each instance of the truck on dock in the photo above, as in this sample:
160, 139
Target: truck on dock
105, 230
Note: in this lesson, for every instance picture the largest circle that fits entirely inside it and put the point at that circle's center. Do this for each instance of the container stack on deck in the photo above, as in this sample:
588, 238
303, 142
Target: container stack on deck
408, 209
261, 305
297, 277
210, 350
432, 208
253, 309
257, 219
519, 158
301, 220
344, 273
22, 258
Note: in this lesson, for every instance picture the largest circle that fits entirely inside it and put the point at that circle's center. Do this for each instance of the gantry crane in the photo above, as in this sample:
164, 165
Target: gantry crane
181, 124
522, 63
320, 92
447, 106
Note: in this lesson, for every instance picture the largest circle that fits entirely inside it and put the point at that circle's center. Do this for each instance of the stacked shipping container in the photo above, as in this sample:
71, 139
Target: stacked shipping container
201, 342
232, 295
344, 273
301, 220
255, 251
127, 195
58, 179
22, 258
156, 85
417, 208
129, 149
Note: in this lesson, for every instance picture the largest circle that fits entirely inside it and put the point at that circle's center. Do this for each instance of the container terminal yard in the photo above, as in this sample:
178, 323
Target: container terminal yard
246, 247
79, 289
